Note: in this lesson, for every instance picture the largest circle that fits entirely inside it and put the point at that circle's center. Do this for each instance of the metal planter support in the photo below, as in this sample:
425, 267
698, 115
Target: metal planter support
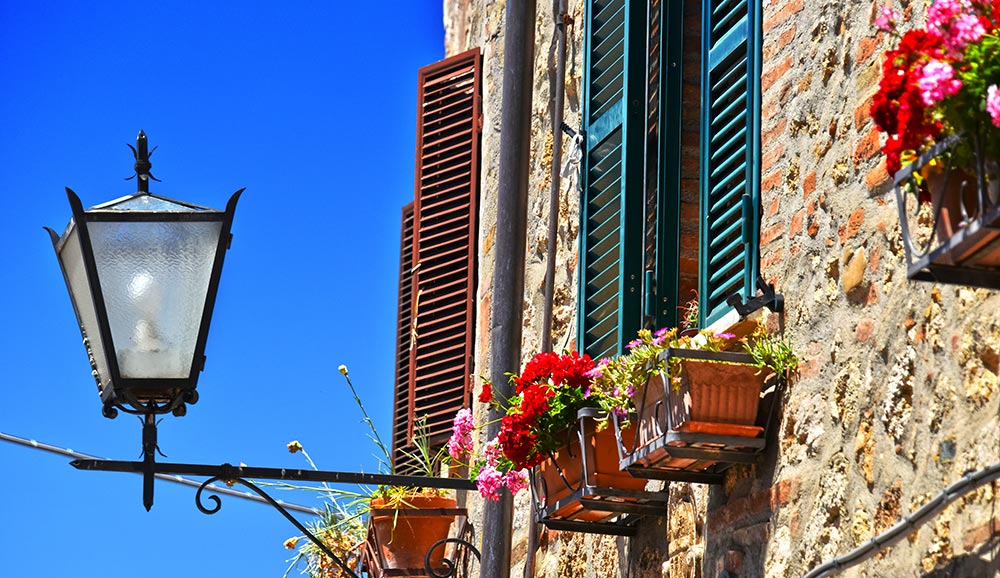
955, 238
582, 489
717, 417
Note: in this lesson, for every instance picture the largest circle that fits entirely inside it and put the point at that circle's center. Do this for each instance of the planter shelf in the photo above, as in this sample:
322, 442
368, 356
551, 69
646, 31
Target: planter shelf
586, 491
712, 421
960, 245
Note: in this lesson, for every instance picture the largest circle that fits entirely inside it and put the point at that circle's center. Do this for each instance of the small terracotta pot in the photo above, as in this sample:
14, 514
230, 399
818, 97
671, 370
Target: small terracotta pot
404, 540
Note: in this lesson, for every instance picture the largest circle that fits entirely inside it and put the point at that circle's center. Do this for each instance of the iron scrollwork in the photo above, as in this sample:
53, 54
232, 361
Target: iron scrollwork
444, 568
229, 478
461, 558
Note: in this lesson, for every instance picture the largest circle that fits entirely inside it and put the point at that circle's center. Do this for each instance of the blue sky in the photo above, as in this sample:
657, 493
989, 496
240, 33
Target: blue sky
312, 107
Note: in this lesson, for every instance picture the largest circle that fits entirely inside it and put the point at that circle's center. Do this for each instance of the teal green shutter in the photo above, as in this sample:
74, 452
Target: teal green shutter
667, 32
612, 201
730, 153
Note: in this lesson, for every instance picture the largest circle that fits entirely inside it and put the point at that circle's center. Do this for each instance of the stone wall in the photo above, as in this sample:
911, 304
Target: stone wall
897, 393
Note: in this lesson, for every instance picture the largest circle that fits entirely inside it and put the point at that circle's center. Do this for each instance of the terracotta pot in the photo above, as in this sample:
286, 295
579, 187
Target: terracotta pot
716, 398
961, 187
403, 540
715, 392
603, 463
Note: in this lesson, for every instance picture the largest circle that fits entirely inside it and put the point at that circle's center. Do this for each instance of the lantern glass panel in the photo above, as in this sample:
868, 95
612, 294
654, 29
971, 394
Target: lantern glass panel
76, 278
154, 277
149, 203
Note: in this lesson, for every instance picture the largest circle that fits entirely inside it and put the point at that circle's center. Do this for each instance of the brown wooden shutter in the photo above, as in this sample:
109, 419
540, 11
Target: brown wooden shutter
401, 398
444, 245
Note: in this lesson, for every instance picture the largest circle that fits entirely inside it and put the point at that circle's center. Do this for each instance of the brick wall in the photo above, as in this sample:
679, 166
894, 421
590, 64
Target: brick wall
897, 393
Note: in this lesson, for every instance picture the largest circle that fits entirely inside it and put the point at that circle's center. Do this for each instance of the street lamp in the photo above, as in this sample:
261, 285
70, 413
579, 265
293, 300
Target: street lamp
142, 272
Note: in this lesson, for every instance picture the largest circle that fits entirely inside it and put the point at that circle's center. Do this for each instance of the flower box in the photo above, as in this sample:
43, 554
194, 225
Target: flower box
705, 421
585, 490
955, 237
402, 535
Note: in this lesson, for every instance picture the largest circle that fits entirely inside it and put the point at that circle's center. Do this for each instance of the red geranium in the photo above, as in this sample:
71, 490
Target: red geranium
548, 393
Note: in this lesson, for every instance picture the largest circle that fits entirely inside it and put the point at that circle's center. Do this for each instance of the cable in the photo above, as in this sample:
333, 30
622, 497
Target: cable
170, 478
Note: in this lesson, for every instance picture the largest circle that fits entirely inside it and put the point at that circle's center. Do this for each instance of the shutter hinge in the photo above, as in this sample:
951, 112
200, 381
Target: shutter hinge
747, 219
649, 292
769, 298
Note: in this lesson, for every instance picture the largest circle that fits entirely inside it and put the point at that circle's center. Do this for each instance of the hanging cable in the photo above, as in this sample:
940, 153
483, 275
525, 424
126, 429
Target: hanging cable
166, 477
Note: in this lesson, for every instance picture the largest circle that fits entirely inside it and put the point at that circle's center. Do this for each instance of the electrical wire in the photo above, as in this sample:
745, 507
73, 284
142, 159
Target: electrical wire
166, 477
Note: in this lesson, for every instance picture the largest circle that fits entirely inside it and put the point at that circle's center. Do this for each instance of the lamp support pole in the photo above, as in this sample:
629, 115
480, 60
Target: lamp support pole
149, 449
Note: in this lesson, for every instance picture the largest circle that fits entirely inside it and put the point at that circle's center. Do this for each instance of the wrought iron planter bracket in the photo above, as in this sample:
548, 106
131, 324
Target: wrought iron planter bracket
241, 475
967, 255
768, 298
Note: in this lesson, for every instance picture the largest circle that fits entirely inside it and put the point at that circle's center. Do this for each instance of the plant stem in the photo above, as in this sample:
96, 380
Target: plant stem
368, 420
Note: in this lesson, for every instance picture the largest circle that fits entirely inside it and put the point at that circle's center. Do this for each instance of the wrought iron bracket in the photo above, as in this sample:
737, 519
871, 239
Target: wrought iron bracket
231, 475
768, 298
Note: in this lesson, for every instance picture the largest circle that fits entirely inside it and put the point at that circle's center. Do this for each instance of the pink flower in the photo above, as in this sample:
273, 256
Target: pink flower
597, 371
936, 81
956, 23
488, 482
993, 104
516, 480
460, 444
887, 18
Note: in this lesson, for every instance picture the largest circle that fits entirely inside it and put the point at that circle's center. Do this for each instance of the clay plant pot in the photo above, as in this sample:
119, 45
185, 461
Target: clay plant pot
404, 538
603, 466
717, 397
712, 397
959, 188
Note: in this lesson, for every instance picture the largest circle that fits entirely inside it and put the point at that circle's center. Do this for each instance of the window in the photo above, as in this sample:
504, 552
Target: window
438, 257
671, 171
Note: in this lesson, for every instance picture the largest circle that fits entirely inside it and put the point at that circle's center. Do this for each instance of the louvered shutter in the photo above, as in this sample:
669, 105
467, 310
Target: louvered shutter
444, 257
614, 121
730, 155
401, 399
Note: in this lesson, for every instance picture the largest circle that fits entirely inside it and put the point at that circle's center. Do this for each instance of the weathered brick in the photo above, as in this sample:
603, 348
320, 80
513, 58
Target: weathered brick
771, 181
769, 135
877, 177
773, 258
868, 146
867, 47
772, 74
855, 221
782, 14
773, 207
795, 226
771, 233
874, 258
769, 107
768, 159
808, 184
862, 113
